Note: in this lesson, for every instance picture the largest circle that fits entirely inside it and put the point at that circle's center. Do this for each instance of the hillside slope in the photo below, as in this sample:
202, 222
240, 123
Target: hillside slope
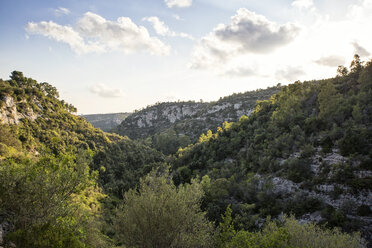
190, 118
306, 151
34, 121
54, 167
33, 114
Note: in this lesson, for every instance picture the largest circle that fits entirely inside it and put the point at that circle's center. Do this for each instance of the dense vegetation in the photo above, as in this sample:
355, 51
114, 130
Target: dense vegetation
44, 121
64, 183
168, 126
159, 214
53, 166
286, 232
286, 137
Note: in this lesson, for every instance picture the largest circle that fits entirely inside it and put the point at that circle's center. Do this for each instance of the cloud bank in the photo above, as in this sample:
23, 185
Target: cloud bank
248, 32
93, 33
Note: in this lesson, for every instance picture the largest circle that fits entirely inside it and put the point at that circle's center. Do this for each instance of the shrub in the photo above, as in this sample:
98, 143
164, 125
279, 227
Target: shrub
159, 214
289, 233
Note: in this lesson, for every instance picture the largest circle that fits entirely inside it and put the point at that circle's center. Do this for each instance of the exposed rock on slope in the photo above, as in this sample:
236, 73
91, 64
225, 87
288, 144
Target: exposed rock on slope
9, 113
33, 118
191, 118
306, 151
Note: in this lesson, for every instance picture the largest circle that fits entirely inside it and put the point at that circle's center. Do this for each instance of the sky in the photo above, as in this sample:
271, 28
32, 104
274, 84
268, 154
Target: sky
107, 56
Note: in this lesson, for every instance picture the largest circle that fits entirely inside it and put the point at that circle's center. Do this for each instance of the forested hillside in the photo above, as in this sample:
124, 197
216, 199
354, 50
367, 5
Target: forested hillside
49, 190
306, 151
34, 119
106, 122
167, 126
292, 170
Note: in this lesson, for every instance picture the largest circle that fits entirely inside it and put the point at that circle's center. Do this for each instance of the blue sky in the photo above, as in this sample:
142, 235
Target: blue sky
121, 55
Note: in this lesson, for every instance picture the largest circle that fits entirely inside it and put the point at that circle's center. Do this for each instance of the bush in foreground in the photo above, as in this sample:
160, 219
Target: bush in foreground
288, 233
159, 214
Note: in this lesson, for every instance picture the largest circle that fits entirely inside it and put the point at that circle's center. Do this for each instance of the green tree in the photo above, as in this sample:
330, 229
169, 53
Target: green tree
44, 201
329, 102
227, 231
159, 214
342, 71
356, 65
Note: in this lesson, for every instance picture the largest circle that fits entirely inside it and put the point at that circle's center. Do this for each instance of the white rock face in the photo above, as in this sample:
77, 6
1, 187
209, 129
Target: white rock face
331, 158
362, 198
173, 113
217, 108
140, 123
284, 186
324, 193
170, 113
149, 117
9, 101
237, 105
334, 157
10, 115
188, 111
311, 217
240, 113
363, 174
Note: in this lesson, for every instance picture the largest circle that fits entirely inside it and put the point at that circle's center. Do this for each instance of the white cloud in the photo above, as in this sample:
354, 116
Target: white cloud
361, 51
254, 33
162, 29
104, 91
94, 33
248, 46
61, 11
332, 61
178, 3
303, 4
64, 34
248, 32
159, 26
120, 35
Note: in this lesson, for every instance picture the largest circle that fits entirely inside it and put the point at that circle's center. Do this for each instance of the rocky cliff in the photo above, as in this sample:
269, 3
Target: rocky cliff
11, 111
191, 118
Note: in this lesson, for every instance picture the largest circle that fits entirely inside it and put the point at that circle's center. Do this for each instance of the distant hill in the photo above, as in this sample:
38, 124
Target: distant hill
170, 125
191, 118
106, 122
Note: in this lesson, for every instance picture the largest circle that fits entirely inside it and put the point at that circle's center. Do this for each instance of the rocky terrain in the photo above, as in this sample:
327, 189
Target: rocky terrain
11, 113
191, 118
